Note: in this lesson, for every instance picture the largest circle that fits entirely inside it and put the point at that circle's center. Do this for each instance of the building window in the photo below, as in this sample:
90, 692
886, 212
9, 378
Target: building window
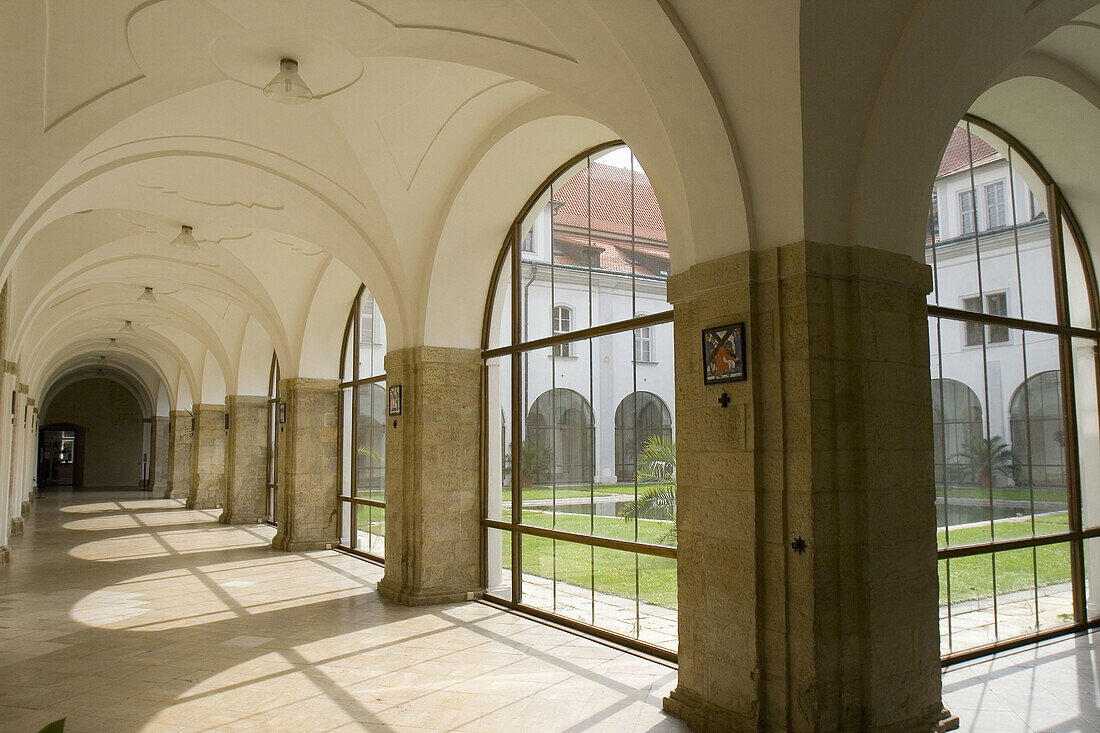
966, 212
563, 323
995, 205
529, 241
996, 304
643, 344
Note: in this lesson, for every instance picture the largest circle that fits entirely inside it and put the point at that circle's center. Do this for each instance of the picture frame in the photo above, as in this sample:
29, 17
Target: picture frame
393, 399
724, 355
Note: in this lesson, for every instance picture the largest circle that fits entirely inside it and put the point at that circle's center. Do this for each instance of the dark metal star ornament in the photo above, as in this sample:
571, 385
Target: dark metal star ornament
799, 545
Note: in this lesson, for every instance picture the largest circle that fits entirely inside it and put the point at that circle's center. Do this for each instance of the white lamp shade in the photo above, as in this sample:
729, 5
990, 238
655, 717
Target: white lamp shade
287, 87
127, 327
147, 296
185, 240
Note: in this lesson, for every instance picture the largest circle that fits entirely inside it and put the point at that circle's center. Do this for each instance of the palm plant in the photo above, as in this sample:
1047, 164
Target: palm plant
656, 465
984, 456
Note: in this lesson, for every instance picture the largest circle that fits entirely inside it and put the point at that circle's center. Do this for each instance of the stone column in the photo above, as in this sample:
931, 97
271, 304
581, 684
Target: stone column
179, 454
433, 477
16, 469
308, 472
159, 454
829, 440
246, 460
208, 444
8, 385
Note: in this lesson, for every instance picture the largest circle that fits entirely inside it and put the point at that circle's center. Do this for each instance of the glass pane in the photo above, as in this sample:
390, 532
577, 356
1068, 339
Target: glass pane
972, 612
573, 572
372, 338
499, 445
1080, 312
498, 564
657, 594
1016, 598
346, 436
1092, 577
1055, 591
1088, 428
538, 572
950, 246
370, 453
616, 575
945, 607
370, 527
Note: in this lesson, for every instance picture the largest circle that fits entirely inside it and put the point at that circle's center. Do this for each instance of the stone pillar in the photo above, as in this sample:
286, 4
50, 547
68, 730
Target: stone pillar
159, 454
246, 460
208, 445
308, 471
829, 440
433, 477
8, 384
16, 469
179, 454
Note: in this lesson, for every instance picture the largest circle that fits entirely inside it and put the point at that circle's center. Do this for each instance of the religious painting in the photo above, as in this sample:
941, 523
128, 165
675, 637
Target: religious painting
394, 401
724, 354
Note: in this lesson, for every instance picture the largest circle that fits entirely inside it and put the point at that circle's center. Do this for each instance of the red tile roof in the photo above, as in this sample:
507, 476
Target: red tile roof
611, 202
957, 155
611, 214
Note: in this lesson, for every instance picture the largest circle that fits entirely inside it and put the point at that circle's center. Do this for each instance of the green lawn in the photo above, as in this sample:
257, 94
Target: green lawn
616, 570
1013, 494
972, 577
538, 493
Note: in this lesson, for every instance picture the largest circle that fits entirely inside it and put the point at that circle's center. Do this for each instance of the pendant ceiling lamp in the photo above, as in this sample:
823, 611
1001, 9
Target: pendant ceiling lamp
147, 296
185, 239
127, 327
287, 87
112, 343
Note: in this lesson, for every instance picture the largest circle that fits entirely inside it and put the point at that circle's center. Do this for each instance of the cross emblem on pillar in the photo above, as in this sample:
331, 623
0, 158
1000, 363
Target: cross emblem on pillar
724, 400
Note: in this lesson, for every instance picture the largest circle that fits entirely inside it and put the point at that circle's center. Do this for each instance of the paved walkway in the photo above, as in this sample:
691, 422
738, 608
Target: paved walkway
123, 613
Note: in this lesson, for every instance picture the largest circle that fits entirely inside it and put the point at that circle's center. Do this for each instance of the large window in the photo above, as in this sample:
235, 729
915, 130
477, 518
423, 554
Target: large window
273, 429
1013, 338
362, 496
580, 504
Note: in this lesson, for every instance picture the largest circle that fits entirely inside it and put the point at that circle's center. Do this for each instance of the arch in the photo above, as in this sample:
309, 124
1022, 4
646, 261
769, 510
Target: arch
1038, 430
639, 417
561, 426
957, 422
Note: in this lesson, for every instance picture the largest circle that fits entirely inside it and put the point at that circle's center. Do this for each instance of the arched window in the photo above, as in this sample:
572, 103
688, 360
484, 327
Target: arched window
956, 425
639, 417
363, 430
273, 441
560, 425
583, 271
1038, 430
1013, 330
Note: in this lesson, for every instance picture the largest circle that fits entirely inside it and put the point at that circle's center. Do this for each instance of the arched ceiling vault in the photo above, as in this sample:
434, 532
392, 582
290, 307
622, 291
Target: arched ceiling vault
758, 124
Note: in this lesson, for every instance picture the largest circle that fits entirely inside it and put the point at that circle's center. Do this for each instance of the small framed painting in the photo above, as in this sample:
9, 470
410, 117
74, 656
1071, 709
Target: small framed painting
394, 399
724, 354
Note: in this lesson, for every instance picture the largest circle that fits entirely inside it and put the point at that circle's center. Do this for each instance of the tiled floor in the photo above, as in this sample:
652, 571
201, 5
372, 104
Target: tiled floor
123, 613
1054, 686
133, 614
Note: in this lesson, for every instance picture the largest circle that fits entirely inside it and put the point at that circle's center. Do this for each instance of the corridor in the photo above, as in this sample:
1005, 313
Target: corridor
124, 613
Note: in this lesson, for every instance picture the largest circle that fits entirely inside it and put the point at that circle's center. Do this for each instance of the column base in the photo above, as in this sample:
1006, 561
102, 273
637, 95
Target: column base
5, 554
25, 508
281, 543
227, 518
17, 525
702, 715
405, 597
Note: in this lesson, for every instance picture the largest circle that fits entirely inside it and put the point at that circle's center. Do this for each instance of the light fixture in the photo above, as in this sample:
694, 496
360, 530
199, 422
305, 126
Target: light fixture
185, 239
127, 327
112, 343
147, 296
287, 87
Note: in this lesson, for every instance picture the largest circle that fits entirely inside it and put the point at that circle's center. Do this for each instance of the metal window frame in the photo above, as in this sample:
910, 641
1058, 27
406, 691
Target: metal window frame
518, 346
1059, 217
350, 386
273, 442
